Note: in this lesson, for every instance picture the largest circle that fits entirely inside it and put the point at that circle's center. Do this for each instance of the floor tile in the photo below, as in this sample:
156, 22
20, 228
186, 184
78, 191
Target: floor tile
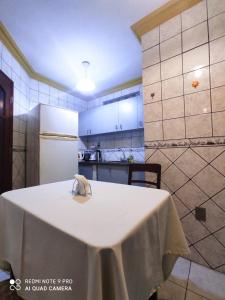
180, 272
171, 291
192, 296
4, 275
206, 282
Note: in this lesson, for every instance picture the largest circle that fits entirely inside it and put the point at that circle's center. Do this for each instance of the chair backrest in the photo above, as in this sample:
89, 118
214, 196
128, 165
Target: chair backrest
152, 168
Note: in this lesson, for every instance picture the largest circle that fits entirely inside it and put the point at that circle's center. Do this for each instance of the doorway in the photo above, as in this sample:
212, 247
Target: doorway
6, 132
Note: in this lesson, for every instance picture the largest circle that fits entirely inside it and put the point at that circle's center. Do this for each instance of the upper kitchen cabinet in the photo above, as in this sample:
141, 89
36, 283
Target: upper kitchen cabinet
109, 117
102, 119
140, 112
127, 114
118, 116
89, 122
83, 123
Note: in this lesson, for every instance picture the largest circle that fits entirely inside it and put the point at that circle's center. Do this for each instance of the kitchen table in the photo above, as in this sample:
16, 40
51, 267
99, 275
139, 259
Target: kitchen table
118, 244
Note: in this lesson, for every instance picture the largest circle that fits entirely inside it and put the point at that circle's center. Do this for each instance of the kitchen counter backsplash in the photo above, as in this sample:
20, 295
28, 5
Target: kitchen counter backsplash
118, 154
121, 153
114, 146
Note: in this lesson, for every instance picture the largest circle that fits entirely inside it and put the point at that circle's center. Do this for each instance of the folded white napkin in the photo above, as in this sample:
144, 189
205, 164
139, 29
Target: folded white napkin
81, 185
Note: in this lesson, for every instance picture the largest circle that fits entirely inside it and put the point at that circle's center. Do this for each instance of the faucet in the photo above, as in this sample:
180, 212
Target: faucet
124, 156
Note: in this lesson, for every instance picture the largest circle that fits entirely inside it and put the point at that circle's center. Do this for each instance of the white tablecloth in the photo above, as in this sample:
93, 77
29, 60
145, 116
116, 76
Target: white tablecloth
118, 244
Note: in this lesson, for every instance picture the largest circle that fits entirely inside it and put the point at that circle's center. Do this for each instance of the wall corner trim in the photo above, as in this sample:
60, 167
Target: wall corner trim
169, 10
11, 45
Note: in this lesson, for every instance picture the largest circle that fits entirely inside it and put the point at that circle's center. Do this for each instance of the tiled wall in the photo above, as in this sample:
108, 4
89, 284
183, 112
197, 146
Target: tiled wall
27, 94
132, 142
185, 125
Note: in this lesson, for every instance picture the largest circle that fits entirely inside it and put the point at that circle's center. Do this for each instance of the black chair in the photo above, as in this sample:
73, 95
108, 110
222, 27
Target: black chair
151, 168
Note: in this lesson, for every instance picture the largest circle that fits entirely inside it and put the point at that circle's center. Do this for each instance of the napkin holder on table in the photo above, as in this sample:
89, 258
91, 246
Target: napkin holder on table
81, 186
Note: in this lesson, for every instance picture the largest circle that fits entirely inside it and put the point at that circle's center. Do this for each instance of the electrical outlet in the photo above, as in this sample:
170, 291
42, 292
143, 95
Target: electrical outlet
200, 213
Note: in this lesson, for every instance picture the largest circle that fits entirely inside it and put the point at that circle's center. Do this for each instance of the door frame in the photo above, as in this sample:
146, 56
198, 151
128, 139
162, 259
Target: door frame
7, 85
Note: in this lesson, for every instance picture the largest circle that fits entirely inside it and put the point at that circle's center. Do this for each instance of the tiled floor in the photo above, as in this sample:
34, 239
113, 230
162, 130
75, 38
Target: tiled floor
188, 281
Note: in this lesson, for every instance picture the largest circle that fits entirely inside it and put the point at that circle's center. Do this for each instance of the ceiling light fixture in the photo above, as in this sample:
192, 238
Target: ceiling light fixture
85, 84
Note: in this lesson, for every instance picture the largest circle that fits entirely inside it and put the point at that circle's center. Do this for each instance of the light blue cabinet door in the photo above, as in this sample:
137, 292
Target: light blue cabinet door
140, 112
83, 123
119, 174
116, 174
128, 114
108, 118
89, 122
94, 123
104, 173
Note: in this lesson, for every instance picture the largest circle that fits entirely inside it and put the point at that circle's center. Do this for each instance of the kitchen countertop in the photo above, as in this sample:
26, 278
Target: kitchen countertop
117, 163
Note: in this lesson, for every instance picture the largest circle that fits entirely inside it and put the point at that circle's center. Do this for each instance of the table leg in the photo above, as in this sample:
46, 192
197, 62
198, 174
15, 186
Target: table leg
154, 296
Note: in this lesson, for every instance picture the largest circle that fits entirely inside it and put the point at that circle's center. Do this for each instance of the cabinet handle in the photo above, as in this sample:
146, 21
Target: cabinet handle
87, 131
140, 124
90, 131
121, 127
116, 127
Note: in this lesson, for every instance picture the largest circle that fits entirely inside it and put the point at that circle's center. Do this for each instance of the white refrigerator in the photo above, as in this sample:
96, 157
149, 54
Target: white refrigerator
52, 145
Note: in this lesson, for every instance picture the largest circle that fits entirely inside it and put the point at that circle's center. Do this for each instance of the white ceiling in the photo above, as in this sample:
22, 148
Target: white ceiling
57, 35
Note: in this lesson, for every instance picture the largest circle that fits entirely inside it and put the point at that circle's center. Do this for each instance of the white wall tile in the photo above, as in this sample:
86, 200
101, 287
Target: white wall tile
196, 58
150, 38
199, 126
152, 92
34, 84
43, 88
23, 87
153, 111
215, 7
217, 52
151, 74
172, 87
173, 108
197, 103
218, 99
6, 69
170, 47
217, 72
170, 28
43, 98
6, 56
153, 131
171, 67
174, 129
194, 15
217, 26
15, 66
16, 80
200, 75
195, 36
151, 56
219, 123
1, 47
